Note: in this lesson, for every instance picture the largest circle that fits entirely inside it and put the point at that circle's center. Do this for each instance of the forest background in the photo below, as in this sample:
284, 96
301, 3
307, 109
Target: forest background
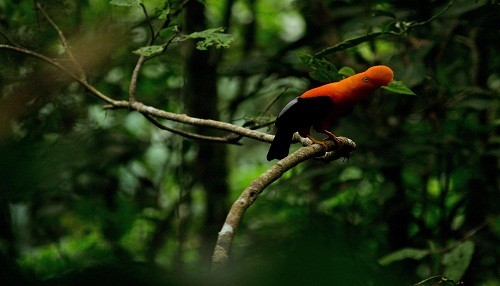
109, 176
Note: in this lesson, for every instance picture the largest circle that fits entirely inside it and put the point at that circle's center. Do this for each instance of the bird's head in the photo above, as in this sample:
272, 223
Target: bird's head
378, 75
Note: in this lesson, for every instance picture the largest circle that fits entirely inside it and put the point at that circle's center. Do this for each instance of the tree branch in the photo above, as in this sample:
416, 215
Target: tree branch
249, 195
64, 42
194, 136
7, 38
144, 109
50, 61
183, 118
142, 59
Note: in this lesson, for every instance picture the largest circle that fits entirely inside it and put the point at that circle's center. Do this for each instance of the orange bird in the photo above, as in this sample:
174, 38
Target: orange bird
319, 107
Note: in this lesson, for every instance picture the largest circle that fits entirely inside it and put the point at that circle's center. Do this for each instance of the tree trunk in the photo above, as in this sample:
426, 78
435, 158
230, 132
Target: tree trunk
201, 101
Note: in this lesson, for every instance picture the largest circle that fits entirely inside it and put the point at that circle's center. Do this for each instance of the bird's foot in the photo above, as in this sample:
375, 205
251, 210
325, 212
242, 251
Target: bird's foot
338, 143
316, 141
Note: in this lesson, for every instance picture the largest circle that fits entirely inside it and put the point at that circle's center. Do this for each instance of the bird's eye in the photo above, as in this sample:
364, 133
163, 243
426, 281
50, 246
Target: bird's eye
365, 79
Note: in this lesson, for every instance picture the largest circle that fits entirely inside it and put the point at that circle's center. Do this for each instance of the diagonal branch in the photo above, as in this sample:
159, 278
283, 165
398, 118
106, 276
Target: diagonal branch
249, 195
50, 61
8, 39
64, 42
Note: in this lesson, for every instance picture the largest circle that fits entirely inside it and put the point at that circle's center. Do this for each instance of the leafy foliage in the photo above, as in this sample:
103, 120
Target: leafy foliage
211, 37
404, 253
320, 69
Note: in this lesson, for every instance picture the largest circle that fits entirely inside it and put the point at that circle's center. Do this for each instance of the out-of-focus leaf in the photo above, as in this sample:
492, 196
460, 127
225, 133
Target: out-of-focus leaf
351, 173
413, 253
168, 32
476, 104
211, 37
398, 87
457, 261
320, 69
125, 2
149, 51
164, 13
347, 71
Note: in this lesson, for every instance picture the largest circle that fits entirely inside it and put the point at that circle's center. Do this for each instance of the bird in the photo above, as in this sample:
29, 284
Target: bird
317, 108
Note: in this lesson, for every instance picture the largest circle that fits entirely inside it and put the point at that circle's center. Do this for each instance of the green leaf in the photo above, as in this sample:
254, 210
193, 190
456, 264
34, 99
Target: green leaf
398, 87
169, 32
413, 253
211, 37
320, 69
150, 50
324, 71
347, 71
164, 13
125, 2
457, 261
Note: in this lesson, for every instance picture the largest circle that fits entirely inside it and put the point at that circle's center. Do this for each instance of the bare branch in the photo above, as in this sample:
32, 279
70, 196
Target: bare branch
133, 80
84, 83
227, 139
183, 118
151, 29
249, 195
64, 42
7, 38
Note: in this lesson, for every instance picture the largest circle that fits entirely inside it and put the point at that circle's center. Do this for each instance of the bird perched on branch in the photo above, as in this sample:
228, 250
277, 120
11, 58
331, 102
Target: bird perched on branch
319, 107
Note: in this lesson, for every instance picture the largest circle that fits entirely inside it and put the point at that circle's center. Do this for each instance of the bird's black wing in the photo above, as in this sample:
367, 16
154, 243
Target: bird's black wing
304, 112
300, 113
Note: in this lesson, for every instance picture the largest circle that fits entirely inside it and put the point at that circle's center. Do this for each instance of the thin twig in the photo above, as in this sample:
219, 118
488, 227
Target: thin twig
190, 135
142, 59
64, 42
8, 39
371, 36
448, 6
183, 118
84, 83
151, 30
133, 79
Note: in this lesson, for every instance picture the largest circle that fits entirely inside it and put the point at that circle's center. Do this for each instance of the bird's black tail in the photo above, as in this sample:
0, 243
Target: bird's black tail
281, 144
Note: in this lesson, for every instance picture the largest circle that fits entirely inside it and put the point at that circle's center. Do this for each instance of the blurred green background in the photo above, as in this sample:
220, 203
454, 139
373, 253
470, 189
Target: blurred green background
89, 195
